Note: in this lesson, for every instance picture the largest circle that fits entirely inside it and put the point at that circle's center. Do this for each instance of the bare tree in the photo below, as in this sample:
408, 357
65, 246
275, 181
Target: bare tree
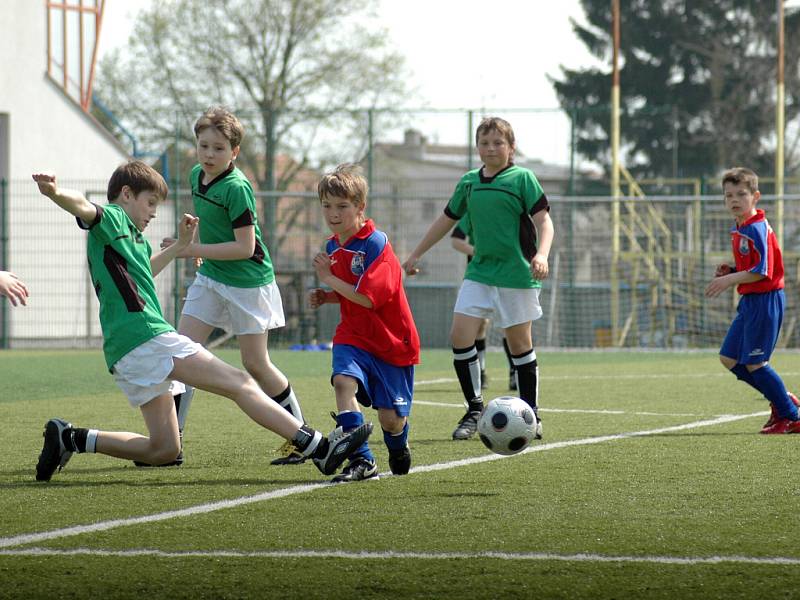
292, 70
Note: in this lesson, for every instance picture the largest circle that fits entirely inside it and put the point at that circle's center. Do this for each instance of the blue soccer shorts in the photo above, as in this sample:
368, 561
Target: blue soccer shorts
380, 385
754, 332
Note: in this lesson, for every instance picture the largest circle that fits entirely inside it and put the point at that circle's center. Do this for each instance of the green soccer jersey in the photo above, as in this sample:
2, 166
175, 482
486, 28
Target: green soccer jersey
224, 205
119, 263
499, 209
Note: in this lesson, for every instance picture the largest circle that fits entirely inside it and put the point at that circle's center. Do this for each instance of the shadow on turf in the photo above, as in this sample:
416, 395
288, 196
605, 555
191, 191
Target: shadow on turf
72, 476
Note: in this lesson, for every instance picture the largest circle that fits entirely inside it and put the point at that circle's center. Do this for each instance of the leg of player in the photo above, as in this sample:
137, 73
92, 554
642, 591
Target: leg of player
256, 361
520, 342
395, 436
204, 371
198, 331
61, 439
465, 361
480, 346
512, 371
348, 417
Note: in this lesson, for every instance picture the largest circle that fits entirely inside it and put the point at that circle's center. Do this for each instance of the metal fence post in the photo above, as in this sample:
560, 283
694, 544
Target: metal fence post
4, 341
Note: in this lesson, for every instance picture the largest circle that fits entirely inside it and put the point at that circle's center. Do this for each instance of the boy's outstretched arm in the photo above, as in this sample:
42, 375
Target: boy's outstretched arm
436, 232
186, 230
71, 201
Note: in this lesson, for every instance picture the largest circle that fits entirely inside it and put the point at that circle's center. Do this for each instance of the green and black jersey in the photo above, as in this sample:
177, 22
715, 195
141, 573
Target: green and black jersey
499, 210
119, 263
223, 205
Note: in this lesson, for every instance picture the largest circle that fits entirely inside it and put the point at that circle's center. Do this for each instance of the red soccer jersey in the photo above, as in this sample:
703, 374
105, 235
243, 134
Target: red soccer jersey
756, 249
386, 330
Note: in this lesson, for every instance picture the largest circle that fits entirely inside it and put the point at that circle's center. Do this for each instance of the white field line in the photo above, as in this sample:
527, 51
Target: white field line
720, 373
31, 538
390, 555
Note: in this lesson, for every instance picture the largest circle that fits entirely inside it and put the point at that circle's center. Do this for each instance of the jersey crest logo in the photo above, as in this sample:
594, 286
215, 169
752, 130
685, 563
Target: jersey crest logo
744, 247
357, 265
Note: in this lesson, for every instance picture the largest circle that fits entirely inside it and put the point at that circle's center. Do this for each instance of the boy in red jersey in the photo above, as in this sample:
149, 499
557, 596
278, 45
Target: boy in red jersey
376, 344
758, 275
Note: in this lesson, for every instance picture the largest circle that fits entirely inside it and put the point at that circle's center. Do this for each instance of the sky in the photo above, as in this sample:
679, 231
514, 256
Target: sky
477, 54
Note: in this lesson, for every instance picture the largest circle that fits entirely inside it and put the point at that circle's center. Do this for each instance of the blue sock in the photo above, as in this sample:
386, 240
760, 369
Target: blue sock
396, 441
742, 374
773, 388
348, 421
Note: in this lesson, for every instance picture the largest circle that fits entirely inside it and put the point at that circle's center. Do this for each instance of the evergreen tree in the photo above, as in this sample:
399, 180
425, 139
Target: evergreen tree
697, 85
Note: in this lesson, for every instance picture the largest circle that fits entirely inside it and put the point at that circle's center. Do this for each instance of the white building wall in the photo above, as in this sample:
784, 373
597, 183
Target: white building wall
50, 133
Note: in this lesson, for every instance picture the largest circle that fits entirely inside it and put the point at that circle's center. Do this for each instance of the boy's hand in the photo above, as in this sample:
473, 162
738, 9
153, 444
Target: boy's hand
186, 230
322, 265
718, 285
723, 269
46, 183
13, 289
539, 267
316, 298
410, 266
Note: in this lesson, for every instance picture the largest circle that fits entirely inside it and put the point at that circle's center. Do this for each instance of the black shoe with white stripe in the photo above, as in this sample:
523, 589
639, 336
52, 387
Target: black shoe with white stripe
54, 453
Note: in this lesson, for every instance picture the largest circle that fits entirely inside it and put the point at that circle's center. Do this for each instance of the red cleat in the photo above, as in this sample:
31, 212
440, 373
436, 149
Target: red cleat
774, 416
782, 426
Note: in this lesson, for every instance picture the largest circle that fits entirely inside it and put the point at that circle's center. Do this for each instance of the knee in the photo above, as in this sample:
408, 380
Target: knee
165, 452
390, 421
727, 362
256, 367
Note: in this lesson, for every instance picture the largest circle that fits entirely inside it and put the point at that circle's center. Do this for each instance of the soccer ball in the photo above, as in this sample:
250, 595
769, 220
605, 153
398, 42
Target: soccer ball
507, 425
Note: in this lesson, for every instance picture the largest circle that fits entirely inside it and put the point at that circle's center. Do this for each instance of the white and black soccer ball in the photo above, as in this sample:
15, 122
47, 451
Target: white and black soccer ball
507, 425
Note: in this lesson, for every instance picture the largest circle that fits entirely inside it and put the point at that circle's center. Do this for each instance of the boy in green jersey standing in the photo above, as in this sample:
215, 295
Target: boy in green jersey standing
235, 287
506, 207
142, 350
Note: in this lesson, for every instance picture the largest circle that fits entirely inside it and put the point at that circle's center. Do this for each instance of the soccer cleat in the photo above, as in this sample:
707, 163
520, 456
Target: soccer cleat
467, 426
538, 434
774, 416
340, 446
512, 380
291, 456
484, 380
54, 453
782, 426
400, 461
357, 470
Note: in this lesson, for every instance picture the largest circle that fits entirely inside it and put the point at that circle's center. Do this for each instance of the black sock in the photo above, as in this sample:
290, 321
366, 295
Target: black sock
468, 371
527, 379
511, 366
74, 439
305, 437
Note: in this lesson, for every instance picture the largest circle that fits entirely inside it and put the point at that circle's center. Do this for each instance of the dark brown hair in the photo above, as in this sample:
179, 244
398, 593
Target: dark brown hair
224, 121
738, 175
139, 177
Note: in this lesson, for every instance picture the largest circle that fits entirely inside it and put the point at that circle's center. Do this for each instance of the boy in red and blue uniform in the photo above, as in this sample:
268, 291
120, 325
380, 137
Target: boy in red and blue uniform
376, 345
758, 275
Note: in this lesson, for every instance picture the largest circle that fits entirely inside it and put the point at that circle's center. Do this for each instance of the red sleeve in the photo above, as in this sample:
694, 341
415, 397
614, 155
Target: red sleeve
380, 281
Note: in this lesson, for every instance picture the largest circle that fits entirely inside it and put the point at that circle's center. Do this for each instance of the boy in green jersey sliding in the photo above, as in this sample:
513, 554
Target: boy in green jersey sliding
143, 351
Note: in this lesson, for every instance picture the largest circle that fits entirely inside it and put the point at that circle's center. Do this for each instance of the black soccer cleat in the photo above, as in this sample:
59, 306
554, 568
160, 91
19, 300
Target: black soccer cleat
290, 455
357, 470
54, 453
400, 461
467, 426
340, 446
